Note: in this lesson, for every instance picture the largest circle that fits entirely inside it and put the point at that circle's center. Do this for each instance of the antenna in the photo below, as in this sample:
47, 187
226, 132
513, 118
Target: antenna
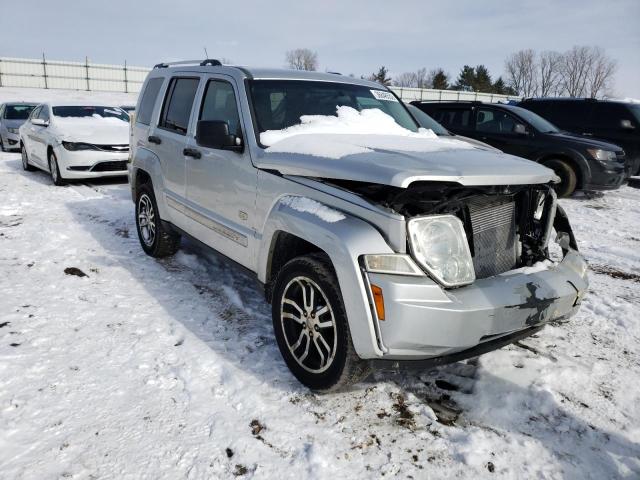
206, 55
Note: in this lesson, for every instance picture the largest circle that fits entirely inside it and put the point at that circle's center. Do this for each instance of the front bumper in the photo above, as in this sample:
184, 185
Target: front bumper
608, 176
11, 141
423, 320
91, 164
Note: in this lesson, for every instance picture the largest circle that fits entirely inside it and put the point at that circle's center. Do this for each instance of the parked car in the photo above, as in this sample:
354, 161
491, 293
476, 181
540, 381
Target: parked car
425, 121
617, 122
76, 141
12, 115
374, 249
580, 163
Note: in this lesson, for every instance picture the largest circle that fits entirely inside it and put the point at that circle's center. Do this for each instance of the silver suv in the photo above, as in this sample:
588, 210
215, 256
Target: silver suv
375, 249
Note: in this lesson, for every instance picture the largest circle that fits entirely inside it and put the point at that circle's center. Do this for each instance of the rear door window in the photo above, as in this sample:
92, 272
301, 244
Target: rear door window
178, 104
149, 98
454, 118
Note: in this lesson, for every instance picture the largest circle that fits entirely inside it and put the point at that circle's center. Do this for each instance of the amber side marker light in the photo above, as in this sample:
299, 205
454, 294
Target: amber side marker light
378, 300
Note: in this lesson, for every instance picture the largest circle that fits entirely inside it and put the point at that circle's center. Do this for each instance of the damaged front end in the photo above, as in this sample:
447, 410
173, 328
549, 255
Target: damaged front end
524, 256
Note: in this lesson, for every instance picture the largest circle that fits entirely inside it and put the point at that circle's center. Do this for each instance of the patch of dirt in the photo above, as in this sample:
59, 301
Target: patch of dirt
256, 427
240, 470
405, 416
122, 232
75, 271
12, 221
614, 273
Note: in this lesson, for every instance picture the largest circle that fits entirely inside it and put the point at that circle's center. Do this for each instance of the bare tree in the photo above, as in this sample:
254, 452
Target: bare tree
601, 74
549, 66
576, 65
406, 79
521, 72
422, 78
302, 59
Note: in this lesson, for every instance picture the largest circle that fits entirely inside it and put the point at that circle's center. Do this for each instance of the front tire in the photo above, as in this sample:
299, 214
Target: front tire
568, 177
311, 327
155, 238
26, 166
54, 169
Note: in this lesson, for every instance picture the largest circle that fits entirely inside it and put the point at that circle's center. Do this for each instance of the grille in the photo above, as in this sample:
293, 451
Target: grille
113, 148
114, 166
494, 236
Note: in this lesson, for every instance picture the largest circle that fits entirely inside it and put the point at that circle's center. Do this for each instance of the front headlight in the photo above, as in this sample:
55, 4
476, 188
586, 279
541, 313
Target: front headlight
77, 146
439, 244
602, 155
13, 130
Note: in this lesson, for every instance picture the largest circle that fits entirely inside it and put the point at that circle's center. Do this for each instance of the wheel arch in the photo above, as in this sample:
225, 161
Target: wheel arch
577, 162
343, 240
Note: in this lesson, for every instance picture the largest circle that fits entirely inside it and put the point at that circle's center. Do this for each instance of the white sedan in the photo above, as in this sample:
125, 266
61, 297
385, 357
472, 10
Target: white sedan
76, 141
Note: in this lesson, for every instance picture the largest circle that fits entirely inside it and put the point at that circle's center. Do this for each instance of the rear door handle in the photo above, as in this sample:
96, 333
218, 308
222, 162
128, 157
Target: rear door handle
154, 139
191, 152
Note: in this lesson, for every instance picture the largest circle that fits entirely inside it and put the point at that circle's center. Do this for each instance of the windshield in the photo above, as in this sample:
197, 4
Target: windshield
425, 121
279, 104
90, 111
18, 112
535, 120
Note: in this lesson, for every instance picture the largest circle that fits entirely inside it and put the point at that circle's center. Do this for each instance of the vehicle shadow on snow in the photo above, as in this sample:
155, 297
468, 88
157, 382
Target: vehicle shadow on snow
518, 414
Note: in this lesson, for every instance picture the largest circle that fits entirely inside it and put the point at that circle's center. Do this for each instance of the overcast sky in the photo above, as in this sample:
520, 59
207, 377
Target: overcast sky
349, 36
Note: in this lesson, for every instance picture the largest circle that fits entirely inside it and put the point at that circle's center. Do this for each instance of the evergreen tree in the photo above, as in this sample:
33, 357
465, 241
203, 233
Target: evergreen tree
466, 79
500, 87
482, 80
381, 76
440, 80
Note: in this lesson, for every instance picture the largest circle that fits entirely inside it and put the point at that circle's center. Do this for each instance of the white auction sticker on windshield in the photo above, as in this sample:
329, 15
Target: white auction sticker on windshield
382, 95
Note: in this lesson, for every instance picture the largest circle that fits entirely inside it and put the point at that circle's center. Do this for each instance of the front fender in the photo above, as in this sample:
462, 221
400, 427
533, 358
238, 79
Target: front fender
343, 238
148, 161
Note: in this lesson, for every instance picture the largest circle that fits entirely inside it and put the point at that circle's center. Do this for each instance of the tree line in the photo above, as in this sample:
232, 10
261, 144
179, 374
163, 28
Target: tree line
582, 71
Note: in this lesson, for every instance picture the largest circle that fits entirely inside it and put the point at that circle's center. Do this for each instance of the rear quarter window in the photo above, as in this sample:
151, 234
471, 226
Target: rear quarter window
149, 98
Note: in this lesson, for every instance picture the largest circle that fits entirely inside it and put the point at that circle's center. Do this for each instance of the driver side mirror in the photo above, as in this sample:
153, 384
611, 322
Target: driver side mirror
39, 122
520, 129
215, 134
627, 125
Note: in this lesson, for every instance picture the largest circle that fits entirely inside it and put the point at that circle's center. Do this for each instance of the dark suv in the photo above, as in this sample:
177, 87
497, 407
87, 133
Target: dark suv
614, 121
581, 163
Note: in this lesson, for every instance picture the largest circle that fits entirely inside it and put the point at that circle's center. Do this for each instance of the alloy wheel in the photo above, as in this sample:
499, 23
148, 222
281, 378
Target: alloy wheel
309, 324
146, 219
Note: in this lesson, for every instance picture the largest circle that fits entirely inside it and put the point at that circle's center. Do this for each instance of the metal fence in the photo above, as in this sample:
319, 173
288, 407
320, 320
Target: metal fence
44, 73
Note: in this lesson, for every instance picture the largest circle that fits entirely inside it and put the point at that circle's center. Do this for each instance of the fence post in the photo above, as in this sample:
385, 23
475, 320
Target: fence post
44, 71
0, 72
126, 84
86, 66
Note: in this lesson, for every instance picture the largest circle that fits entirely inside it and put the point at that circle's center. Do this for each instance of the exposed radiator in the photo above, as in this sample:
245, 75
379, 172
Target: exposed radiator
494, 235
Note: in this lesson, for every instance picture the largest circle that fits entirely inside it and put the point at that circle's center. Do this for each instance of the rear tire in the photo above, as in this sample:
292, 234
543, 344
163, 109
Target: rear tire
2, 145
26, 166
568, 177
54, 169
155, 238
311, 328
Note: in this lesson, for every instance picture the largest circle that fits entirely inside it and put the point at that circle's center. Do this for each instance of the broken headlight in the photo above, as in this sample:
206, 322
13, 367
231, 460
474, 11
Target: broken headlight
440, 245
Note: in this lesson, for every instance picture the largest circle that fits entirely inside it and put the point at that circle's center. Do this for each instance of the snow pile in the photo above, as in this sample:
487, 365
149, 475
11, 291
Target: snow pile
38, 95
352, 132
303, 204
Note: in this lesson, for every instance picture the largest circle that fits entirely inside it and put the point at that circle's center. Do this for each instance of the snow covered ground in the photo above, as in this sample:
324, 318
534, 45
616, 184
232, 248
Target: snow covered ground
168, 369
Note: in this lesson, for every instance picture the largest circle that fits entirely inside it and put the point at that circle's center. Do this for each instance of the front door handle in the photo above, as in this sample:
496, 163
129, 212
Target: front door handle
154, 139
191, 152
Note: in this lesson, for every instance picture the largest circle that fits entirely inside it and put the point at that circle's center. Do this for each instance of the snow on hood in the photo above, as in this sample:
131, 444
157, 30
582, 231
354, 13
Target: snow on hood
95, 129
369, 146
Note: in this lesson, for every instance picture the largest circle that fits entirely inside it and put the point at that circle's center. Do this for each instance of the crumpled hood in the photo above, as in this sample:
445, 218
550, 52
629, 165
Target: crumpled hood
397, 161
99, 131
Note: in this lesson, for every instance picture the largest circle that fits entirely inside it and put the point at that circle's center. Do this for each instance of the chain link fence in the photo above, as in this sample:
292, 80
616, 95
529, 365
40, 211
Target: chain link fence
44, 73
